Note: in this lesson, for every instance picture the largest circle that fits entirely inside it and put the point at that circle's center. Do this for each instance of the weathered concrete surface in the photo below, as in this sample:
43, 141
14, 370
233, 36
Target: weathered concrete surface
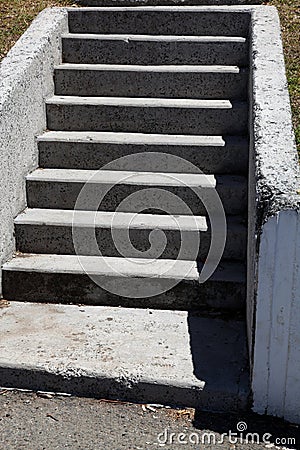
89, 351
274, 247
153, 49
165, 2
50, 231
106, 189
162, 20
147, 115
25, 81
165, 20
143, 283
93, 150
205, 82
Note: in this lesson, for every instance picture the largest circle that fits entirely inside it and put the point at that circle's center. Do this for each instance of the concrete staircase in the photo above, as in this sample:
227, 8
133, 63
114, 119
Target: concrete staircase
165, 81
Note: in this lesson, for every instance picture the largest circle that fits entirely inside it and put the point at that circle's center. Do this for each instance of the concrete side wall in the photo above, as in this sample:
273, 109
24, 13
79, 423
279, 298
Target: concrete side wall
276, 372
26, 79
274, 297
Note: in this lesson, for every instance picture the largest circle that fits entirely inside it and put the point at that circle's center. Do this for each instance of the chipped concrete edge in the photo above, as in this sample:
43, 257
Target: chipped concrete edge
273, 305
276, 159
168, 2
26, 79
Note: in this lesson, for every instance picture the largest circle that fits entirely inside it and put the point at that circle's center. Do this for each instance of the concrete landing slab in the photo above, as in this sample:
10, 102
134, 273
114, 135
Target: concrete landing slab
167, 357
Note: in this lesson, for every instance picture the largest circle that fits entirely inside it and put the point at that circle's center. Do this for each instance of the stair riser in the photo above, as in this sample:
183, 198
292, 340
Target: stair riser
151, 84
159, 22
97, 51
231, 159
63, 195
74, 288
168, 120
59, 240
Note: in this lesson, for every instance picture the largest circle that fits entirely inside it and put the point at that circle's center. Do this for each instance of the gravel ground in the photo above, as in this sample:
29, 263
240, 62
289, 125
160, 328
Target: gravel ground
34, 422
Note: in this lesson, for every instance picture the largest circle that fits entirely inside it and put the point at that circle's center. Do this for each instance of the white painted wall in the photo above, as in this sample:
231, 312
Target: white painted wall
276, 369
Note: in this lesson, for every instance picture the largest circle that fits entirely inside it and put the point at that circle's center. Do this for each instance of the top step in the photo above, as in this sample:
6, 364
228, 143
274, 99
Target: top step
158, 20
179, 3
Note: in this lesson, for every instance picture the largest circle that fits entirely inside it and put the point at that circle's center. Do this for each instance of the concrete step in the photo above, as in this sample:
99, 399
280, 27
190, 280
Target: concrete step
159, 20
151, 49
135, 282
173, 193
206, 82
88, 351
147, 115
153, 152
50, 231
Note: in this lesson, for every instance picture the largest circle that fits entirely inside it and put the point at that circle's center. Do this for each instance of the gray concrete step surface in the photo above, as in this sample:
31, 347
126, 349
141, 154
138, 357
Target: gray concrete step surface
161, 20
105, 190
135, 282
88, 351
154, 49
206, 82
139, 80
50, 231
147, 115
153, 152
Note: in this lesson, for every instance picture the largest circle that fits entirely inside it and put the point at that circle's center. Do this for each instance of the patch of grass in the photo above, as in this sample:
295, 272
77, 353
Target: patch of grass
289, 12
16, 16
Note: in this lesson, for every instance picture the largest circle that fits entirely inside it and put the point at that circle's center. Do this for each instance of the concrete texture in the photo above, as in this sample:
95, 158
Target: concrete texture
202, 82
25, 82
169, 20
64, 279
110, 282
106, 189
170, 116
160, 3
276, 159
50, 231
154, 49
93, 150
31, 421
273, 228
86, 350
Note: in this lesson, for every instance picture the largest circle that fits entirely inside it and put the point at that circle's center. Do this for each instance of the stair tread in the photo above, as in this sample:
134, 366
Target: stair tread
152, 68
154, 8
229, 271
133, 178
134, 138
104, 219
186, 361
141, 102
154, 38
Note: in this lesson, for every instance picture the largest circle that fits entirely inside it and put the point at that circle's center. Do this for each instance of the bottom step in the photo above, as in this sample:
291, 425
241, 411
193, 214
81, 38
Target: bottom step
151, 356
127, 282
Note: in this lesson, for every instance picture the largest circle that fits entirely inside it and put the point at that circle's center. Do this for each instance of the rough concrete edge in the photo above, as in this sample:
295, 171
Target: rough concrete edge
26, 79
100, 386
33, 42
166, 2
275, 154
